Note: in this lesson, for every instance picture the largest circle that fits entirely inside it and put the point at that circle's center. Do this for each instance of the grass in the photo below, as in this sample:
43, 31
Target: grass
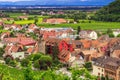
24, 22
94, 25
12, 72
1, 31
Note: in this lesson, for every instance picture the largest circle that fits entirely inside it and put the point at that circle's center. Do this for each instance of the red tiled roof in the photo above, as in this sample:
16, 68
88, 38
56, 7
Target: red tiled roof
13, 48
22, 40
30, 50
64, 56
56, 20
116, 53
86, 43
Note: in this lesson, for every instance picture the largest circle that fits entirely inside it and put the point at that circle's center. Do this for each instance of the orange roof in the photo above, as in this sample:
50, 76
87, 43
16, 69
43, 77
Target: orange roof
86, 43
64, 55
113, 40
30, 50
102, 44
95, 43
13, 48
88, 52
56, 20
116, 53
96, 55
21, 40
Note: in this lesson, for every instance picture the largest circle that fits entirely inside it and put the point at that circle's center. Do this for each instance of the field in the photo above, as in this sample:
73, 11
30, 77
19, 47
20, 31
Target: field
85, 24
91, 26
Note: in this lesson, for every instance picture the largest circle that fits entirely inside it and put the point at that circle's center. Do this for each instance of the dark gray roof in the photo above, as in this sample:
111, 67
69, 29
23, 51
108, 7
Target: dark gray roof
105, 60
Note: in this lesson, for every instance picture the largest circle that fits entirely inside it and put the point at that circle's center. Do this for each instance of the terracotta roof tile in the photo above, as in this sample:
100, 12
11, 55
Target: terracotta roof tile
64, 55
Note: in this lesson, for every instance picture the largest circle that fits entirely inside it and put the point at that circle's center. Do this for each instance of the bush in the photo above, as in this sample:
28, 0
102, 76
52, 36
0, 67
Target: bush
109, 31
12, 63
36, 56
111, 35
1, 52
36, 64
8, 60
45, 62
118, 35
24, 62
88, 65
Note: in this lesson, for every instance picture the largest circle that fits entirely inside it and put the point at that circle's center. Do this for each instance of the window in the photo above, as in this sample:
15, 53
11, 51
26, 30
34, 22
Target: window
98, 74
102, 70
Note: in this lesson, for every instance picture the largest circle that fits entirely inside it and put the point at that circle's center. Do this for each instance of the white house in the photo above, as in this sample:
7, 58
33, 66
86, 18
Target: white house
19, 55
116, 32
88, 34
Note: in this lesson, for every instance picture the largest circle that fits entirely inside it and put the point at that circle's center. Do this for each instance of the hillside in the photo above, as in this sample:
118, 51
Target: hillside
109, 13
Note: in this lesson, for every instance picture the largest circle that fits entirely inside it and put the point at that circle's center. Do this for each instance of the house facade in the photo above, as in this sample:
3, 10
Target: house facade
107, 66
88, 34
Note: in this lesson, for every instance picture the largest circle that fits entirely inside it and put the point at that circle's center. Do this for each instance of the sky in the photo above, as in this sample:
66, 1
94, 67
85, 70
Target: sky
13, 0
50, 0
56, 2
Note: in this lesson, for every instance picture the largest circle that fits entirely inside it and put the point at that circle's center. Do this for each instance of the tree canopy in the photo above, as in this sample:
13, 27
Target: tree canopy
109, 13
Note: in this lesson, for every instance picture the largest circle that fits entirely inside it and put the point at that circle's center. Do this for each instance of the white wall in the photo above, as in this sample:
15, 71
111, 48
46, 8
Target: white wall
97, 70
19, 55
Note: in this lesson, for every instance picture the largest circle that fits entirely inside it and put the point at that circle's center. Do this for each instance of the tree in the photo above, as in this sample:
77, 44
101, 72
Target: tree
45, 62
78, 29
109, 31
109, 13
36, 20
36, 64
55, 52
37, 56
118, 35
102, 78
111, 35
77, 38
88, 65
1, 52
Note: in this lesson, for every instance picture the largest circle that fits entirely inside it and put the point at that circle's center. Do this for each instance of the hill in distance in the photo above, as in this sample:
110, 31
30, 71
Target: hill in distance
110, 12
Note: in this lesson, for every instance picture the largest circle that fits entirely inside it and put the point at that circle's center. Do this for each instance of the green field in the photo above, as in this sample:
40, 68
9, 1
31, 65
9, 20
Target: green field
22, 22
94, 25
85, 24
90, 26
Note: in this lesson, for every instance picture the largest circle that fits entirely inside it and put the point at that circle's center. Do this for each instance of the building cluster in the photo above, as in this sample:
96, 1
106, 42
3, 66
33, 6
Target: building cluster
103, 52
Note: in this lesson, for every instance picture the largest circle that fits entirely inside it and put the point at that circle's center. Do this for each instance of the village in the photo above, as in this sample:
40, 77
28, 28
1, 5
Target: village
72, 47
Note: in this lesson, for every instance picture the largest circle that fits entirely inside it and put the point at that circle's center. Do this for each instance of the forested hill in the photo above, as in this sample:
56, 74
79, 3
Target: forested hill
109, 13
